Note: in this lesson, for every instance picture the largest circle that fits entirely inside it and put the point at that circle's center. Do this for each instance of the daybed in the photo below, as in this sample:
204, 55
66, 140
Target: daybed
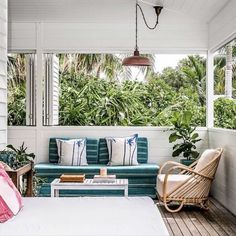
142, 178
86, 216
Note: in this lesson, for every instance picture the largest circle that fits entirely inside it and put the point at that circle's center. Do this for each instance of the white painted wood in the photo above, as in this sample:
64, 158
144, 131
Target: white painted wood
107, 10
160, 150
210, 90
224, 186
88, 184
222, 27
22, 35
30, 90
88, 26
51, 90
3, 72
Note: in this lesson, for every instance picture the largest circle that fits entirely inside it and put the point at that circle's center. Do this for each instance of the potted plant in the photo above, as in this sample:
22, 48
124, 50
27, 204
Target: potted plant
19, 163
19, 157
185, 133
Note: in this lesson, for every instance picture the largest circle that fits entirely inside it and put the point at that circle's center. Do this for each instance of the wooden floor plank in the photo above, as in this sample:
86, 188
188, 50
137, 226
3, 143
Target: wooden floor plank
222, 220
198, 224
230, 217
173, 224
205, 224
218, 228
194, 231
166, 221
193, 221
183, 228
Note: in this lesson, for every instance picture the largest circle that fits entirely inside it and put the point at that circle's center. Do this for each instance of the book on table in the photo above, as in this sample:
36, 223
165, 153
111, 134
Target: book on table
72, 178
104, 179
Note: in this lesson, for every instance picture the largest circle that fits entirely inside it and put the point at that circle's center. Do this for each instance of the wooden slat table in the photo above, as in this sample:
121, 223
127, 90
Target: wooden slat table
88, 184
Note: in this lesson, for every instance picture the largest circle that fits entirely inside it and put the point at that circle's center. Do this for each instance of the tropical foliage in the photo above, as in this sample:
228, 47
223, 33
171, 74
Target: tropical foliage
96, 90
184, 131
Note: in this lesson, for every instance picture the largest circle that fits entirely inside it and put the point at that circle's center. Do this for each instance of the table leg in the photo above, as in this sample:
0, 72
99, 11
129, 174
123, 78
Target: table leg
52, 192
56, 192
126, 191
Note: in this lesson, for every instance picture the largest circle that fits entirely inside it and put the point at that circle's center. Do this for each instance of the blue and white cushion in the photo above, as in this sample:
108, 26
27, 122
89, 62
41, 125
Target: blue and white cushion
72, 152
122, 151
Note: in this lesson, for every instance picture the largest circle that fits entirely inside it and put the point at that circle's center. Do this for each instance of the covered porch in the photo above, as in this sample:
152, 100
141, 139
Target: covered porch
185, 27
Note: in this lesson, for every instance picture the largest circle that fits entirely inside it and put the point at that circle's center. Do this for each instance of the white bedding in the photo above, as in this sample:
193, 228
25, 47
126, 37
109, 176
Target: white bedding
86, 216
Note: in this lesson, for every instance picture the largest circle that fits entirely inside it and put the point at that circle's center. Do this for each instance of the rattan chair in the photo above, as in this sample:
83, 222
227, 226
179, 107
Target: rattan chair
188, 185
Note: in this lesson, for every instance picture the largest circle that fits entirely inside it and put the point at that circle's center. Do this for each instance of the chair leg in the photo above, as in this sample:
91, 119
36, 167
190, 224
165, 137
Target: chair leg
175, 210
205, 205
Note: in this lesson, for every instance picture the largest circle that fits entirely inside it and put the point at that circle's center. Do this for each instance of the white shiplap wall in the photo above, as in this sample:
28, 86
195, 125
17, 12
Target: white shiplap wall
3, 73
36, 139
223, 26
224, 186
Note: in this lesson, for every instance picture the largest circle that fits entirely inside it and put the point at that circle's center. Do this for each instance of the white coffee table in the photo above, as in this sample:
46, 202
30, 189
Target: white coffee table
119, 184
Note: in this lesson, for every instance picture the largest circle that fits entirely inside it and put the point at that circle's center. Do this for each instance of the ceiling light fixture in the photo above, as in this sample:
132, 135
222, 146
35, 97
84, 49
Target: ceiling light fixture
136, 59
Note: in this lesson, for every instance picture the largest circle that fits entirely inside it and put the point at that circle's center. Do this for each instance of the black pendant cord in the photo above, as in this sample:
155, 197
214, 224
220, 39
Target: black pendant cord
136, 28
157, 10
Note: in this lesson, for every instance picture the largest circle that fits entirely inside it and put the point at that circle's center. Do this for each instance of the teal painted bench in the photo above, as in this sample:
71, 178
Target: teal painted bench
142, 178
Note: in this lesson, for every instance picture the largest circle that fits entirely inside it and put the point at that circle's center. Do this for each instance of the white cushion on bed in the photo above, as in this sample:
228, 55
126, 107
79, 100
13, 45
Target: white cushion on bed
104, 216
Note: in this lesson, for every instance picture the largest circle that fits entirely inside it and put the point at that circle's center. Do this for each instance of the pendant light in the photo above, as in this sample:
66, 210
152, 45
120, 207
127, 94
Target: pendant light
136, 59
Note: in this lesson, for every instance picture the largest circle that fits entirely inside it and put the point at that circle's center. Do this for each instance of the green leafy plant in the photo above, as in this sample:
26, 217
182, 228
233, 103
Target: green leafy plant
183, 131
19, 156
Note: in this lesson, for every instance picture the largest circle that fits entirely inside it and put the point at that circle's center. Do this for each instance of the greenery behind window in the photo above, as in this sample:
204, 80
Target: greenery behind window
96, 90
16, 94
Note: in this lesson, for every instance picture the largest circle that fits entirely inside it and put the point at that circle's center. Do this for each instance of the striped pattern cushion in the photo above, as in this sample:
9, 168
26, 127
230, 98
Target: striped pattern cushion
142, 151
91, 150
142, 178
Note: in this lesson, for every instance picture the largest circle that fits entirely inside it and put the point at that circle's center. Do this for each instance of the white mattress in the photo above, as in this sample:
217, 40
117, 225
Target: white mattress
86, 216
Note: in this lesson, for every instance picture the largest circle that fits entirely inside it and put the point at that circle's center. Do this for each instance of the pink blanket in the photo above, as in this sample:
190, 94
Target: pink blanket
10, 198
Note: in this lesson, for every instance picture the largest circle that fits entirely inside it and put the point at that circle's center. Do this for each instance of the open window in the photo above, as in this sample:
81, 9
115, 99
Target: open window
21, 89
225, 86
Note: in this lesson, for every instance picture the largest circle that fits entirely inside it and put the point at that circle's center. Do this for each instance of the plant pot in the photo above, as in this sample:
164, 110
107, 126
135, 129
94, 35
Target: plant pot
24, 170
186, 161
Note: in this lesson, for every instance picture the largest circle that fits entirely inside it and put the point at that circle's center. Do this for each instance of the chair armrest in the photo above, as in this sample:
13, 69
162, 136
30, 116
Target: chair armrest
184, 168
173, 163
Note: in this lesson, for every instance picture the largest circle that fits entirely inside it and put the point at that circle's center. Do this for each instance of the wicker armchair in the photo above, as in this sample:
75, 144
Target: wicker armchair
188, 185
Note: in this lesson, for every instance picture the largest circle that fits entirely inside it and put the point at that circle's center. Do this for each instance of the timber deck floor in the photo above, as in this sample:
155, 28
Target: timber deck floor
191, 221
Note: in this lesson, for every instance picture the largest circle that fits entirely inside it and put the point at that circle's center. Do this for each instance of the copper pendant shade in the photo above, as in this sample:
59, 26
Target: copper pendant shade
136, 59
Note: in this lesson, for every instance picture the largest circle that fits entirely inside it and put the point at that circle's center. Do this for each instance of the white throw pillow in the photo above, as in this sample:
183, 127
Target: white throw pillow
122, 151
72, 152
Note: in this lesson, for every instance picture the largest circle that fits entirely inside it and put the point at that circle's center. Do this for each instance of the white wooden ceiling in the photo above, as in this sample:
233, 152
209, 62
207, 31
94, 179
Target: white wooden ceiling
69, 10
108, 25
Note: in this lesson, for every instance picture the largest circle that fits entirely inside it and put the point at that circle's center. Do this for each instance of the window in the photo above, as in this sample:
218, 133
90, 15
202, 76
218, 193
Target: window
225, 86
21, 89
95, 89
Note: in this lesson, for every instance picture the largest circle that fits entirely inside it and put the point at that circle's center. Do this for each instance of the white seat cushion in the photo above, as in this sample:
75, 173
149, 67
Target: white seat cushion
172, 182
206, 157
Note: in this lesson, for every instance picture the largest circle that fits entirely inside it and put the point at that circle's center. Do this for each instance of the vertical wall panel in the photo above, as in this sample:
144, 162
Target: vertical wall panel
224, 186
3, 73
160, 150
